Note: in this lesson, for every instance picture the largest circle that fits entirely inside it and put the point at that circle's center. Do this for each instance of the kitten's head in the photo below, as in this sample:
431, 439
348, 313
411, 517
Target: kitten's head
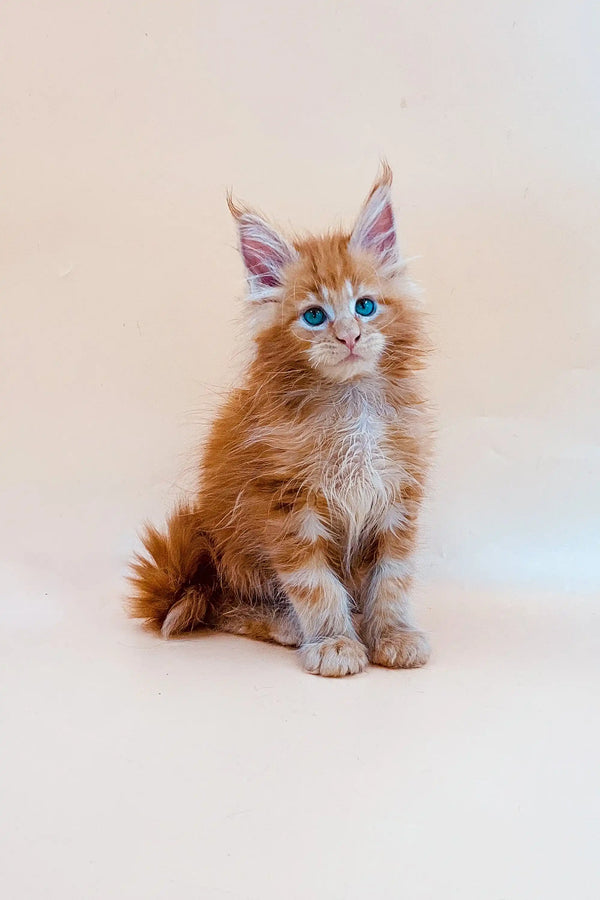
332, 304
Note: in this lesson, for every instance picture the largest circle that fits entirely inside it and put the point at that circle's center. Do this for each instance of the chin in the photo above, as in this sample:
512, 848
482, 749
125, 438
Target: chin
349, 369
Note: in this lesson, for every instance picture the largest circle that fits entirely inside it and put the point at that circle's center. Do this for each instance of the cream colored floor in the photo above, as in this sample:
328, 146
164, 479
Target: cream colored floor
215, 768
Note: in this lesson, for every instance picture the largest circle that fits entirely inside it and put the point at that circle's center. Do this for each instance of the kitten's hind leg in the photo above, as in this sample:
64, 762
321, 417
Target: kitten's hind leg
259, 621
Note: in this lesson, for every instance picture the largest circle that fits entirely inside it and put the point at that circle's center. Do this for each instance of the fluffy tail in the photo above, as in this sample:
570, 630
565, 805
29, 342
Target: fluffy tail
174, 581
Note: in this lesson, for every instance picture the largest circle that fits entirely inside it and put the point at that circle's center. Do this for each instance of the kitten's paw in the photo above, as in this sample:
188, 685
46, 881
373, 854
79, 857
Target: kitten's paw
334, 657
401, 650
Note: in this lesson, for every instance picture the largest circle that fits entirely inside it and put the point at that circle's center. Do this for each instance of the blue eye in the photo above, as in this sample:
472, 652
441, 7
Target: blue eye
314, 316
365, 306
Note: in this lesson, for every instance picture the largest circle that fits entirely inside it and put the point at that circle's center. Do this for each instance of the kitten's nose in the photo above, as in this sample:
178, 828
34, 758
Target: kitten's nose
349, 340
347, 332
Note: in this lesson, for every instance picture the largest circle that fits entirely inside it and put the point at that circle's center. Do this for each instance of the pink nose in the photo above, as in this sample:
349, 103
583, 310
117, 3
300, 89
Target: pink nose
349, 341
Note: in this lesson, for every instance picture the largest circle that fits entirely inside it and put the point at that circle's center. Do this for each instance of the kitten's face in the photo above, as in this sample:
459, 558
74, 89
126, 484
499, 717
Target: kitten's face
329, 303
335, 310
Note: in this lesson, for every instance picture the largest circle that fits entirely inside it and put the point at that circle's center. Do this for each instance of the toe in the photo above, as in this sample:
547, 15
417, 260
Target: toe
335, 657
401, 650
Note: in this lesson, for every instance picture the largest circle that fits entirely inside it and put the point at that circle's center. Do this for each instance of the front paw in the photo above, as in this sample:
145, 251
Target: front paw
334, 657
400, 650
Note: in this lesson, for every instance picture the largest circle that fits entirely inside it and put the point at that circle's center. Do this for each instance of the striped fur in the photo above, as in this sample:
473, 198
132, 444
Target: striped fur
304, 527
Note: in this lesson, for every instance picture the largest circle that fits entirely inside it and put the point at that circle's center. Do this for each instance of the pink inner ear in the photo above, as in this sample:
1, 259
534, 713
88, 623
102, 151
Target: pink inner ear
375, 228
382, 233
265, 253
261, 262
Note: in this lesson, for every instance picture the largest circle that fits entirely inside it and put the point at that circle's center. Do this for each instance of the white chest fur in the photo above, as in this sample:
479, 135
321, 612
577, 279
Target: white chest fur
357, 472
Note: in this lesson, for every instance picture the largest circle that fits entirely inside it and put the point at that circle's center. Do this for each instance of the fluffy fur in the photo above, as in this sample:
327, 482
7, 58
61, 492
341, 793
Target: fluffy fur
303, 530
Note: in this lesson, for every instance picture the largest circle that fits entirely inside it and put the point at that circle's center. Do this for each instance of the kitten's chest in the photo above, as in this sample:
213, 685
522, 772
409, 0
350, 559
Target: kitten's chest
357, 472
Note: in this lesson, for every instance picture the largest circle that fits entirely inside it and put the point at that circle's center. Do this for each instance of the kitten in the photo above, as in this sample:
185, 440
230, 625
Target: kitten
303, 529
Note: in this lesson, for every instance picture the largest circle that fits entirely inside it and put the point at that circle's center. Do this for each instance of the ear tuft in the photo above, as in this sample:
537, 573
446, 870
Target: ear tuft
265, 253
375, 229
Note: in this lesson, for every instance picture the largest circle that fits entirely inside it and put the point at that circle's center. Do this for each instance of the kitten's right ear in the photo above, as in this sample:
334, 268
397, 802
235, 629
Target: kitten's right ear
265, 253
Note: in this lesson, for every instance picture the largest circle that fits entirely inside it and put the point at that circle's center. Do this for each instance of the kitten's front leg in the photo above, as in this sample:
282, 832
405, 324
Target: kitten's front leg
330, 645
388, 629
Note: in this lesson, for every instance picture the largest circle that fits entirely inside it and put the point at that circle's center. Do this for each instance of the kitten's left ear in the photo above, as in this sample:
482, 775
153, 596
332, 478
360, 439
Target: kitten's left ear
375, 229
265, 253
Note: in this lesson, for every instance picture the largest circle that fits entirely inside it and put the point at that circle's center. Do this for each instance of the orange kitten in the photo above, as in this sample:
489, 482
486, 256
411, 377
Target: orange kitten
303, 530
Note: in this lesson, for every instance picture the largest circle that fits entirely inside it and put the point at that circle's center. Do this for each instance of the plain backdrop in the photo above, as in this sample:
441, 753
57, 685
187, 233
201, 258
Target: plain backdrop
214, 767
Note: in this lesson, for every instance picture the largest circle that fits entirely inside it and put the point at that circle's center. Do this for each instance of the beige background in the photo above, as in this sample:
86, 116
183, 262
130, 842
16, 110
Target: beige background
123, 123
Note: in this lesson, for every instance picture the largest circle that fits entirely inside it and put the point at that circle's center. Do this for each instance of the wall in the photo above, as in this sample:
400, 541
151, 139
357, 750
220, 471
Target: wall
123, 125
